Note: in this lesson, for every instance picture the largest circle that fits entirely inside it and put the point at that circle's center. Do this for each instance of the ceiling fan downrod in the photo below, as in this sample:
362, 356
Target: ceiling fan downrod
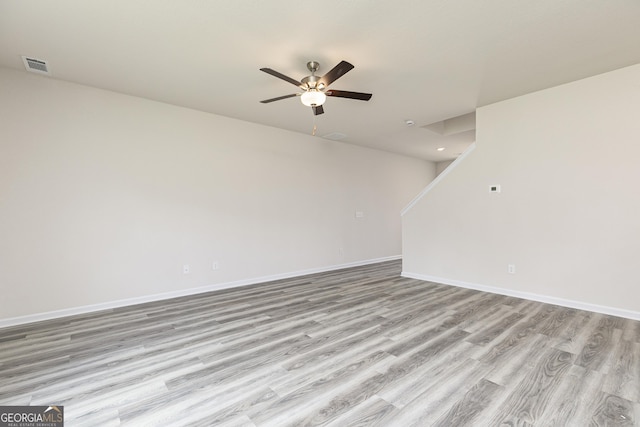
312, 81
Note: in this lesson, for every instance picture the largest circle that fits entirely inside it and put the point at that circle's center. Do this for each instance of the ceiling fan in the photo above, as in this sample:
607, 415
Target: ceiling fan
314, 88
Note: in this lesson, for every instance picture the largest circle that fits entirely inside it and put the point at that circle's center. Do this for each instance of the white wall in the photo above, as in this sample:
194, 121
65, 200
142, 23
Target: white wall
568, 216
104, 197
441, 166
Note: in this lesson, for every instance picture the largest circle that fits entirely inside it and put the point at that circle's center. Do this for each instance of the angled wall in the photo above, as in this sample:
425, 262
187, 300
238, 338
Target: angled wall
104, 198
567, 161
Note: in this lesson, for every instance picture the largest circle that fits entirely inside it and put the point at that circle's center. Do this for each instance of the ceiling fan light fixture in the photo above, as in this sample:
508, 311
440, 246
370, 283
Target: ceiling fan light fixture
313, 97
313, 87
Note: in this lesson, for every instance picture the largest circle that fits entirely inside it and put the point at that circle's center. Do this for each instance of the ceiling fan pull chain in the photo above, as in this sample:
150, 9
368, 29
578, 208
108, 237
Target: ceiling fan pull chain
313, 132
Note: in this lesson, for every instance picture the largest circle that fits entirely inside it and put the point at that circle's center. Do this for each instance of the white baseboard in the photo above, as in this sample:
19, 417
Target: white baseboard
619, 312
39, 317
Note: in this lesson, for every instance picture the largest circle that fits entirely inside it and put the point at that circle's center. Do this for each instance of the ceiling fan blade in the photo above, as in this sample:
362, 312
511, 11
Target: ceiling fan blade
336, 72
281, 76
317, 110
351, 95
266, 101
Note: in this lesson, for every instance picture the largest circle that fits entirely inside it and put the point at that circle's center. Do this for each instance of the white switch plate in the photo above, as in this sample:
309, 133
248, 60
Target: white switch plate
185, 269
511, 268
215, 265
359, 214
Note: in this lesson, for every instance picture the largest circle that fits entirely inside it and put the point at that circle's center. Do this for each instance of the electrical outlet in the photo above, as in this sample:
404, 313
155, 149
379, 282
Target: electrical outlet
215, 265
185, 269
511, 268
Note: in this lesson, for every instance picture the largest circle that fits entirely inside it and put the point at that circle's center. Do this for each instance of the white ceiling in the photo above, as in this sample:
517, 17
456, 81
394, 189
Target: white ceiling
424, 60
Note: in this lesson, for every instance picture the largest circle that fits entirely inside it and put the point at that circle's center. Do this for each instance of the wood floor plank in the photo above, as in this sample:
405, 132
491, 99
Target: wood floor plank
490, 333
571, 403
281, 412
612, 410
528, 400
371, 413
556, 322
577, 332
300, 374
465, 411
426, 399
396, 372
361, 346
521, 333
596, 350
512, 366
624, 378
631, 330
433, 377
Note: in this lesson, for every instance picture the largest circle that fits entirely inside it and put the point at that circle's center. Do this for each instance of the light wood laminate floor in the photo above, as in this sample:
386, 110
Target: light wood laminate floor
356, 347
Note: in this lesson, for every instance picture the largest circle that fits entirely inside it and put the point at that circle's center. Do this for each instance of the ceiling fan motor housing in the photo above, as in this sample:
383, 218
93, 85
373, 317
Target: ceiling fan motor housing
311, 82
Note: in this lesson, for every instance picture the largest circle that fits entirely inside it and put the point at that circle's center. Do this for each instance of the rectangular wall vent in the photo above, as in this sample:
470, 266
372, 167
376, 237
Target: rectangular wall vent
36, 65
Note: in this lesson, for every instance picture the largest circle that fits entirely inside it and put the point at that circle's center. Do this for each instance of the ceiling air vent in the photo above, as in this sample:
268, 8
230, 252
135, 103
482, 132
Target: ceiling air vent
36, 65
335, 136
